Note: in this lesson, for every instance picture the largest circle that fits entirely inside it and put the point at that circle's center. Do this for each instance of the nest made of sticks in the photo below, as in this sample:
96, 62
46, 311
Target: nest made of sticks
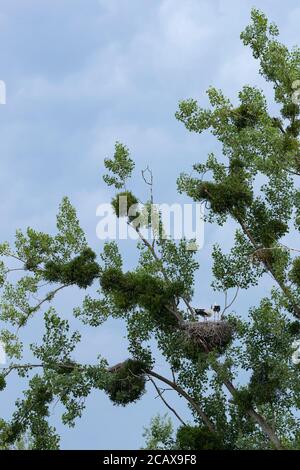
208, 336
126, 383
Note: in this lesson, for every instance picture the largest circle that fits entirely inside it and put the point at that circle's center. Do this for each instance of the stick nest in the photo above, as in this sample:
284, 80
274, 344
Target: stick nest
208, 336
126, 382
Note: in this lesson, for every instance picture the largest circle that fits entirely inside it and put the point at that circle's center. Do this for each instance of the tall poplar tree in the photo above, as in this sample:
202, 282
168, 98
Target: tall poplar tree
235, 374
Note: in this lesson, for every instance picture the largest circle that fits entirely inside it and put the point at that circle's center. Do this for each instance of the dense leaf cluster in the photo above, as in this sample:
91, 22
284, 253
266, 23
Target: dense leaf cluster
198, 438
139, 289
232, 196
82, 270
126, 384
125, 204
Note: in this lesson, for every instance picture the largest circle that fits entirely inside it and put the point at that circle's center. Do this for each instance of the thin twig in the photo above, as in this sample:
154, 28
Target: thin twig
184, 394
165, 401
232, 302
149, 183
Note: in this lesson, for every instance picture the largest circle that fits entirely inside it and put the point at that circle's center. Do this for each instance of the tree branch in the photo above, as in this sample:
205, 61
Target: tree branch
165, 402
183, 393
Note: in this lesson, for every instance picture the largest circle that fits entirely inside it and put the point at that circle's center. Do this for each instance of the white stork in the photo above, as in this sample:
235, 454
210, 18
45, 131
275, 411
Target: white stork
208, 312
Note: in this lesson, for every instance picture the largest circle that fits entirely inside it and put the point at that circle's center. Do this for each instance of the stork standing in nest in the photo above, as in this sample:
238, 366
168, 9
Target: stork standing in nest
208, 312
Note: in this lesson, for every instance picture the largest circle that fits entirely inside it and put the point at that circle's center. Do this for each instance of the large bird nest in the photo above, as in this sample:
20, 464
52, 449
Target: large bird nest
208, 336
126, 383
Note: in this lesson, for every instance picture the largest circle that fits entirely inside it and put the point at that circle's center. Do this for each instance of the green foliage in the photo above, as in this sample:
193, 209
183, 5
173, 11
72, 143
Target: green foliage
24, 442
245, 116
35, 249
266, 228
133, 289
295, 271
294, 328
93, 312
126, 384
264, 384
234, 270
57, 346
264, 388
197, 438
258, 148
111, 256
278, 64
256, 34
290, 110
31, 413
70, 238
290, 145
69, 381
82, 270
121, 166
294, 128
179, 263
65, 368
2, 382
243, 398
232, 196
158, 436
125, 204
12, 344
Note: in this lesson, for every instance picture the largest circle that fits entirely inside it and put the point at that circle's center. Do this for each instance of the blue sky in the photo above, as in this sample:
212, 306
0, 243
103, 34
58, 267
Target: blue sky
81, 74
